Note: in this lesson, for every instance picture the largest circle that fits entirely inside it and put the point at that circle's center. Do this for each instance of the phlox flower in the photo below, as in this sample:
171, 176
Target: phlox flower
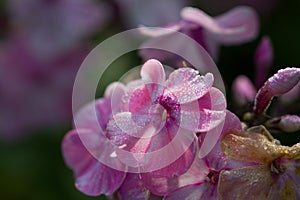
237, 26
161, 110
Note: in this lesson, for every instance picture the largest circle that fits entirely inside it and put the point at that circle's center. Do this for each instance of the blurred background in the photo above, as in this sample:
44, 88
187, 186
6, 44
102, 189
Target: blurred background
43, 43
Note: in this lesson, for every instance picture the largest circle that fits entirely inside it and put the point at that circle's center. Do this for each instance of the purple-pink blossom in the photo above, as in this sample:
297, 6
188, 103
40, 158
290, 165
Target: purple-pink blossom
161, 108
237, 26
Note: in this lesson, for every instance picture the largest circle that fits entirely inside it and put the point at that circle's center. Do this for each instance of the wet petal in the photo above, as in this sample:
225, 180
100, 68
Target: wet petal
187, 85
204, 114
282, 82
92, 177
164, 185
234, 27
125, 127
243, 90
172, 152
246, 183
263, 61
133, 188
153, 72
251, 147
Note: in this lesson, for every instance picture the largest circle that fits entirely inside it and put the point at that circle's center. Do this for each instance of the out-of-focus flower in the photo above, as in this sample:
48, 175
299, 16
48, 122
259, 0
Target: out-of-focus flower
275, 175
287, 123
263, 61
237, 26
34, 94
243, 90
82, 146
201, 180
282, 82
150, 13
51, 28
154, 112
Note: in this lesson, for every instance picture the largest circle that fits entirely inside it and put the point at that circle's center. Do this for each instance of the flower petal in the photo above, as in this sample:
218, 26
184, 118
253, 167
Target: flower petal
92, 177
204, 114
158, 31
234, 27
251, 147
164, 185
153, 72
263, 61
187, 85
251, 183
133, 188
94, 116
282, 82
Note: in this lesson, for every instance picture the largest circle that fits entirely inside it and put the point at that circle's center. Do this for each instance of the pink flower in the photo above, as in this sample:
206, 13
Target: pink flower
275, 175
50, 28
201, 180
159, 111
34, 94
237, 26
83, 146
282, 82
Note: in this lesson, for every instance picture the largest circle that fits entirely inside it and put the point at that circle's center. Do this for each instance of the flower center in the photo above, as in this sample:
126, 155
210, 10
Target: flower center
213, 176
278, 166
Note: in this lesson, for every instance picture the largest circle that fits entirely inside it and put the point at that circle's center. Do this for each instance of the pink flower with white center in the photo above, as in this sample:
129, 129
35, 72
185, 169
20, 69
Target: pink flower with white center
158, 112
84, 146
237, 26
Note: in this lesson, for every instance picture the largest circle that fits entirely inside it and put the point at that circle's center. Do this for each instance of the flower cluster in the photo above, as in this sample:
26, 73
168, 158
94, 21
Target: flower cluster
148, 138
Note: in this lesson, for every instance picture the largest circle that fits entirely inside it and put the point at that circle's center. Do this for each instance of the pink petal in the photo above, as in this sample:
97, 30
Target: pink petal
94, 116
115, 91
187, 85
263, 61
201, 191
234, 27
171, 152
153, 72
133, 188
282, 82
243, 90
204, 114
164, 185
92, 177
210, 143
